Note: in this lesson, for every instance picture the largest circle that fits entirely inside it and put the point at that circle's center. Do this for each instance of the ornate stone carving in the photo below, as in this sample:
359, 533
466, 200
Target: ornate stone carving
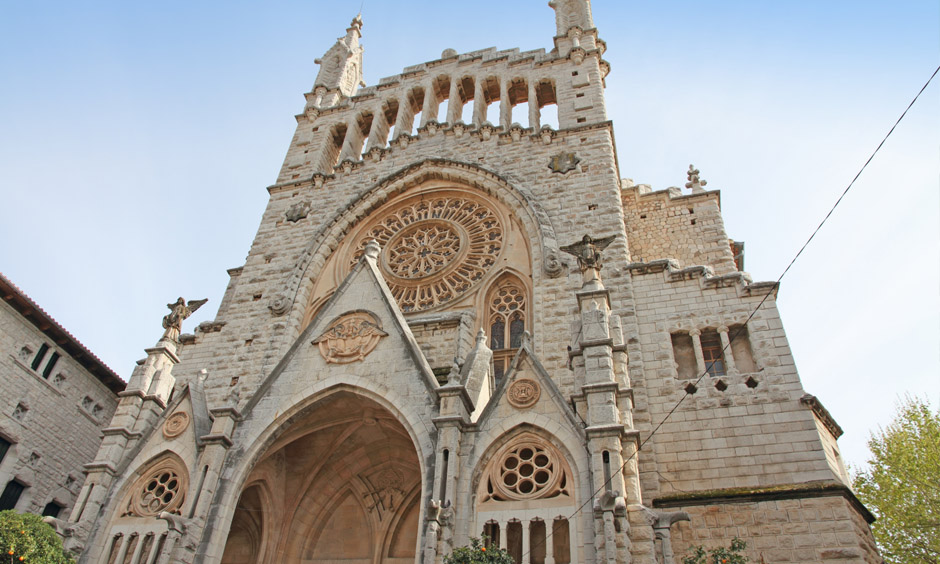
350, 337
552, 265
162, 489
298, 211
280, 304
435, 247
526, 468
386, 492
563, 162
176, 424
523, 393
588, 251
173, 321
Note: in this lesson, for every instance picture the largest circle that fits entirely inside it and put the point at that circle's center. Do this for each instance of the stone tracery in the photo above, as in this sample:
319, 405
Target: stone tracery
436, 246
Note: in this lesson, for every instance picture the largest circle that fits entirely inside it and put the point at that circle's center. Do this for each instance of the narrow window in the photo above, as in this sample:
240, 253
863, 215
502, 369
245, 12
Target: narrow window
712, 353
52, 509
514, 539
11, 494
507, 307
519, 100
561, 546
684, 353
444, 476
43, 349
4, 447
537, 541
491, 534
50, 365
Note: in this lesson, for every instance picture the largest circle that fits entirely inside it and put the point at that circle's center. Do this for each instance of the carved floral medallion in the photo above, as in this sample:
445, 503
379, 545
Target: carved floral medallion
435, 247
523, 393
176, 424
350, 337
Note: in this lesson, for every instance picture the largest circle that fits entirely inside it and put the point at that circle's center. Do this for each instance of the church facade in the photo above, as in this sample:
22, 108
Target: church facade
446, 330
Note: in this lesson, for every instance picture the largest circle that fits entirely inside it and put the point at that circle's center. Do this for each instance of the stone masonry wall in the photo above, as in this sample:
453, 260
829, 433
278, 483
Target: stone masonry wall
668, 225
826, 530
54, 424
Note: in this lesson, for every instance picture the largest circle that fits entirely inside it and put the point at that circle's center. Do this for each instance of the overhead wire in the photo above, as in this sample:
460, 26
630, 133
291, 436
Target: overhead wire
732, 336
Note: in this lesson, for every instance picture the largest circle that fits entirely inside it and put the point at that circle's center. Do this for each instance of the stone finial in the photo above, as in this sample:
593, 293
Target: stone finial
173, 321
373, 249
695, 182
481, 337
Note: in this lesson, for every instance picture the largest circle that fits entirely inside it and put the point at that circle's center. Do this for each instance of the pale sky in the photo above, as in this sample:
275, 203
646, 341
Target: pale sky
137, 140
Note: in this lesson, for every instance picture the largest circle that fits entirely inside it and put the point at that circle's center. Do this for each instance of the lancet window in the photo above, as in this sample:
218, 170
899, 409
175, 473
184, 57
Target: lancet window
507, 309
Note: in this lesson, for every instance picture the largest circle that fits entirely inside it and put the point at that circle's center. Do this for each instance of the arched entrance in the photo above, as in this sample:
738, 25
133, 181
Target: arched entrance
341, 484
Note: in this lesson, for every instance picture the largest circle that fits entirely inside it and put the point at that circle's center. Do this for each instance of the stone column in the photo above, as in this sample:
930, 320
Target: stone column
534, 114
726, 350
526, 542
406, 116
352, 142
505, 106
479, 103
454, 103
378, 132
699, 356
429, 109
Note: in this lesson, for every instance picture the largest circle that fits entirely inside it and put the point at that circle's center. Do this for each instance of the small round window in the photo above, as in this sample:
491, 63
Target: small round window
527, 468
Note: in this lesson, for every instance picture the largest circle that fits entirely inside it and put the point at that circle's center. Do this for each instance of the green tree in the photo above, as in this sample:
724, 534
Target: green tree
25, 538
477, 553
731, 555
901, 485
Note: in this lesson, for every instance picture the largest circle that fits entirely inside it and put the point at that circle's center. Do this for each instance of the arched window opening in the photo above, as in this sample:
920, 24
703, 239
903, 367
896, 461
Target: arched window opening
514, 539
441, 95
491, 533
547, 103
491, 101
519, 100
364, 124
382, 127
507, 322
331, 157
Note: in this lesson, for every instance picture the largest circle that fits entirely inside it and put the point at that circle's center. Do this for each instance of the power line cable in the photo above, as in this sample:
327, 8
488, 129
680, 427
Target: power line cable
737, 331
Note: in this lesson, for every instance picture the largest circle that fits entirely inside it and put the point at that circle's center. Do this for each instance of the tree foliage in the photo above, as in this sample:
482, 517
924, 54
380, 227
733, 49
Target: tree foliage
477, 553
732, 555
901, 485
25, 538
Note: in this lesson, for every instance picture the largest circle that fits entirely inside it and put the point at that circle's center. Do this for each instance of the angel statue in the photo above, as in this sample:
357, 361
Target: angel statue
179, 311
588, 251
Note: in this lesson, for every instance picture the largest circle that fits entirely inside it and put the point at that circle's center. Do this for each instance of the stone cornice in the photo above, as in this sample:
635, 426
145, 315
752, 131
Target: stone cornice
773, 493
821, 413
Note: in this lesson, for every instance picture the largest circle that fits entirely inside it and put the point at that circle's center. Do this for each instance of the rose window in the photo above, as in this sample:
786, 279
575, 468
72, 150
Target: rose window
435, 247
164, 489
527, 469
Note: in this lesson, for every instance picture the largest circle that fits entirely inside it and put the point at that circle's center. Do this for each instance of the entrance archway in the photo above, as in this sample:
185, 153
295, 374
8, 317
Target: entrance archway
341, 484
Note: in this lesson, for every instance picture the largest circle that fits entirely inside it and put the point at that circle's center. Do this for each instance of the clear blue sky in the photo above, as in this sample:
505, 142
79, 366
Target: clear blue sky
136, 142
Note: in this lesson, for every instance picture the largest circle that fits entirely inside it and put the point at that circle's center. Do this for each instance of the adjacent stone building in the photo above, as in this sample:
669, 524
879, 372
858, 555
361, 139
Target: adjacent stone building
448, 329
56, 398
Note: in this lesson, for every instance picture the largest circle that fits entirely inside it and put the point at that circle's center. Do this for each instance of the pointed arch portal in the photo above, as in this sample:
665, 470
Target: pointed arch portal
341, 484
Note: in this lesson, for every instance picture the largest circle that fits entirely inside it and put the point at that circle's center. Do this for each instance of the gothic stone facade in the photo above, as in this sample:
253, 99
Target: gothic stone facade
422, 348
56, 398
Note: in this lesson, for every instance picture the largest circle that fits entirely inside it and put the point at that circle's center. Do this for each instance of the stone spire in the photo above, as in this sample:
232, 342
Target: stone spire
341, 65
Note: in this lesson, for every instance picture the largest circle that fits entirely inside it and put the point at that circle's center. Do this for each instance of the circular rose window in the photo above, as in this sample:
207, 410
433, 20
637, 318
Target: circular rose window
435, 246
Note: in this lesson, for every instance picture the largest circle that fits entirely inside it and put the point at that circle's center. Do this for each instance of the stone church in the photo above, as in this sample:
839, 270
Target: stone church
450, 328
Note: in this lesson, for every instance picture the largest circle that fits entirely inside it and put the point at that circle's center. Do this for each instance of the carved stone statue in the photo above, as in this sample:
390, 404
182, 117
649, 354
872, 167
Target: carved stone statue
179, 311
588, 251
